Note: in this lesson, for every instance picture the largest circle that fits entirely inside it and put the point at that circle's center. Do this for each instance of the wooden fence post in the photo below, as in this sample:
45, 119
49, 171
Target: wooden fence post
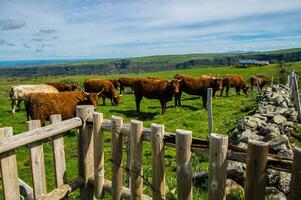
37, 163
85, 151
99, 172
256, 170
296, 97
209, 109
272, 81
116, 147
218, 146
9, 170
184, 165
295, 190
59, 154
157, 140
136, 159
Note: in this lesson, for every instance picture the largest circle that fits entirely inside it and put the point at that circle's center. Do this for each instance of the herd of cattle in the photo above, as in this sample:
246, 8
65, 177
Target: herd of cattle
44, 100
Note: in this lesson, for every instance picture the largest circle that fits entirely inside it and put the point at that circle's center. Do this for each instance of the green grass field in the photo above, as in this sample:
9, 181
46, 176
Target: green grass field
191, 116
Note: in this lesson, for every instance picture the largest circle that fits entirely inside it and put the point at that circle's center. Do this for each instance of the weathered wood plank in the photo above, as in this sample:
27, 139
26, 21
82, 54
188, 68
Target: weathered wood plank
99, 172
85, 151
126, 192
295, 190
116, 148
256, 176
217, 166
64, 190
158, 176
201, 146
39, 134
136, 159
59, 154
37, 163
297, 97
9, 170
184, 164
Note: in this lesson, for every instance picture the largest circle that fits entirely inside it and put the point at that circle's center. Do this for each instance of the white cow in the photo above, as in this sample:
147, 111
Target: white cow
19, 93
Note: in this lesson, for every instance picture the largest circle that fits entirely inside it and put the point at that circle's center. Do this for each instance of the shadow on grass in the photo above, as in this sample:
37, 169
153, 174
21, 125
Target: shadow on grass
141, 115
191, 98
190, 107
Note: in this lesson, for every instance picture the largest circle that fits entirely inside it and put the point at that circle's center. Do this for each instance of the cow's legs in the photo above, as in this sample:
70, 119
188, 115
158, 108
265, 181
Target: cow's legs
138, 100
163, 106
178, 99
227, 90
18, 104
14, 105
237, 90
222, 91
104, 100
204, 99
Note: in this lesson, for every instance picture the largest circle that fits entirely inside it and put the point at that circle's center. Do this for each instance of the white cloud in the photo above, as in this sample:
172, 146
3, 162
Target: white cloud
135, 28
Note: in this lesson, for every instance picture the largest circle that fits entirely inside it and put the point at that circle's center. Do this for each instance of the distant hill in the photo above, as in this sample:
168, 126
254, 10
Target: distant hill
152, 63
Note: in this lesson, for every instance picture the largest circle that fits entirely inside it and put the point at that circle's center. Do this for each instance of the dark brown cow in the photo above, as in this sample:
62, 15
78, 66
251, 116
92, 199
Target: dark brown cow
126, 82
258, 81
115, 82
162, 90
105, 87
193, 86
62, 87
42, 105
234, 80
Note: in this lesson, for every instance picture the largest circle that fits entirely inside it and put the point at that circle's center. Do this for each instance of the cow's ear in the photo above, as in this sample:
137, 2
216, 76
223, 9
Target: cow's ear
168, 81
181, 80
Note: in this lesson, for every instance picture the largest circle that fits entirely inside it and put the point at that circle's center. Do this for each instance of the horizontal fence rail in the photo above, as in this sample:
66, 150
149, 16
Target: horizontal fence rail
201, 146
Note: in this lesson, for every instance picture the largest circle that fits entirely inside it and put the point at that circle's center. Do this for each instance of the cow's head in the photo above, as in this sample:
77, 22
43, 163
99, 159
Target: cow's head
175, 85
116, 99
245, 89
218, 83
91, 99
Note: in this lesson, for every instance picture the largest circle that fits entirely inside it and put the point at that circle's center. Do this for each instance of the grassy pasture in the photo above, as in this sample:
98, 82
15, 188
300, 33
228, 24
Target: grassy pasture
191, 116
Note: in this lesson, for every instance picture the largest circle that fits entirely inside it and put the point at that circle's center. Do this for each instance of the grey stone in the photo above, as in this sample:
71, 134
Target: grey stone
279, 119
271, 193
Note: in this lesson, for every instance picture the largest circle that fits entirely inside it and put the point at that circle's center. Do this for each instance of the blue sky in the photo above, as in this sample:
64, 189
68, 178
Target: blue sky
40, 29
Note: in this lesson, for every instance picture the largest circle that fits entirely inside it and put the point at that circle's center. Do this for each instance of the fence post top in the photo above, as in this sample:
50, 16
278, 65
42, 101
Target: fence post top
183, 132
134, 121
218, 136
156, 125
116, 118
258, 143
97, 113
298, 149
84, 107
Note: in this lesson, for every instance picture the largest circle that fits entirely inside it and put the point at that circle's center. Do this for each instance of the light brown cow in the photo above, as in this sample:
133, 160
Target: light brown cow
42, 105
258, 81
19, 93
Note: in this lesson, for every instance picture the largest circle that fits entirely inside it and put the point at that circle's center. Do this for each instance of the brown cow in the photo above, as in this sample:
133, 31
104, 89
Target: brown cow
258, 81
193, 86
115, 82
216, 82
126, 82
234, 80
107, 88
155, 78
62, 87
42, 105
162, 90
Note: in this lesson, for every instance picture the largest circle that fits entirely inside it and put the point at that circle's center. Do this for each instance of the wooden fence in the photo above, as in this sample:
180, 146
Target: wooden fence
91, 180
292, 82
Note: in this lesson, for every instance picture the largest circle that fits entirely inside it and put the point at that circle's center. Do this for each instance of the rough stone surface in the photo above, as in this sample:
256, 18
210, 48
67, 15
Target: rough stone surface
274, 122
